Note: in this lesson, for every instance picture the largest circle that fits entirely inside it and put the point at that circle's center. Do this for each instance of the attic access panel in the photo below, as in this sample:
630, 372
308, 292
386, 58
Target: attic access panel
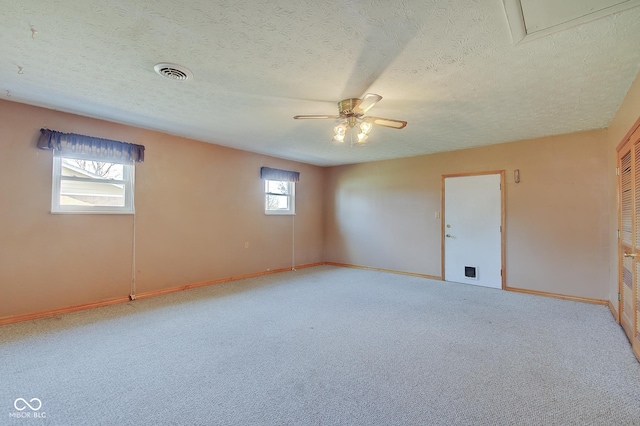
531, 19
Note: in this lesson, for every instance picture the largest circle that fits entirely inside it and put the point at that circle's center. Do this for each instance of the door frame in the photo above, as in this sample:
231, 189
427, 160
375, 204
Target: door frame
502, 220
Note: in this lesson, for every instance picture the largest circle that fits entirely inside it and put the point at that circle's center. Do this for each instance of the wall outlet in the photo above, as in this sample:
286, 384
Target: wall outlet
246, 245
437, 215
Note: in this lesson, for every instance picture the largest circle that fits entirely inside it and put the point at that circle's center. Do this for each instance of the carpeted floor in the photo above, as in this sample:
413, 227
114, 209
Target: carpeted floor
324, 346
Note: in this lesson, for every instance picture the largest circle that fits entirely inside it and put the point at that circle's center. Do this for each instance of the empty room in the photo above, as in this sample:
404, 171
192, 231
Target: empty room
351, 212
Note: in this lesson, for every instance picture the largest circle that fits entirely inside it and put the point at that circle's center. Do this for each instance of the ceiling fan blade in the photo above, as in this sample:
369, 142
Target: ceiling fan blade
367, 101
387, 122
314, 117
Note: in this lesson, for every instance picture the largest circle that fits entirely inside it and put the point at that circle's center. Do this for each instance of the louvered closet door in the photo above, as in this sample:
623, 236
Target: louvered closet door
629, 241
634, 309
627, 216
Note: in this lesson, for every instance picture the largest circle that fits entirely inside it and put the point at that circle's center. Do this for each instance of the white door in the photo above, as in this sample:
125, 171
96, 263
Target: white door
472, 230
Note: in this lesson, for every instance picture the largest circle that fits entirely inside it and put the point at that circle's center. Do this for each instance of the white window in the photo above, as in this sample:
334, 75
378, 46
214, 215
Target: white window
86, 185
279, 197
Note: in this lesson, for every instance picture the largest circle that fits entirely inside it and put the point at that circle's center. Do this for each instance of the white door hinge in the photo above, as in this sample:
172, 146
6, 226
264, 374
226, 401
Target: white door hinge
617, 171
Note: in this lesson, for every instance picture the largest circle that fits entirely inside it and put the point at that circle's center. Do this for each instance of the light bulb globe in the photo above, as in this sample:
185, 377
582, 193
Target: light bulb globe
362, 138
365, 127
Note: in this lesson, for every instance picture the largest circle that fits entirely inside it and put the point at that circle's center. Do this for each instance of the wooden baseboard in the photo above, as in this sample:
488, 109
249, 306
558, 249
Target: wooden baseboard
392, 271
560, 296
221, 280
514, 289
614, 312
309, 265
61, 311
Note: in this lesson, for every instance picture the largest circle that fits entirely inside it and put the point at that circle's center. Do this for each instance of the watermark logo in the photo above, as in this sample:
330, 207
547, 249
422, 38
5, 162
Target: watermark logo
28, 409
21, 404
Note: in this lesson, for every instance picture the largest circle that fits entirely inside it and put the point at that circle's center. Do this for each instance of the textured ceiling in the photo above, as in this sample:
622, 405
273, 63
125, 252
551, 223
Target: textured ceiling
449, 68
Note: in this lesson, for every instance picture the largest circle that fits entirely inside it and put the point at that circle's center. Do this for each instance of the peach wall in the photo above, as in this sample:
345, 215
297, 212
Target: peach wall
626, 116
382, 214
196, 206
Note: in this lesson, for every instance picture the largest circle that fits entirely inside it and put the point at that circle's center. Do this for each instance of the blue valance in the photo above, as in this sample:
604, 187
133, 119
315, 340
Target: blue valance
104, 149
277, 174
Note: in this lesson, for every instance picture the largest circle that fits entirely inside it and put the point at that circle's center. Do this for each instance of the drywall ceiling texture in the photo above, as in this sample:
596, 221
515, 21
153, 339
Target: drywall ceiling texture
449, 68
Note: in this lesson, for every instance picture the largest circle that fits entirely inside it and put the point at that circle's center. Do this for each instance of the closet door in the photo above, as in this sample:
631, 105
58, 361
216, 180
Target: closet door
629, 238
634, 296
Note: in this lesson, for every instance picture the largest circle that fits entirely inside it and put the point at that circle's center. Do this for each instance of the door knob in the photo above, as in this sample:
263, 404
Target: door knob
629, 254
449, 236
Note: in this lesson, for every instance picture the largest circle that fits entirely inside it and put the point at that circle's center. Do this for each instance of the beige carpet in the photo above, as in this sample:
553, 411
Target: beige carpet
324, 346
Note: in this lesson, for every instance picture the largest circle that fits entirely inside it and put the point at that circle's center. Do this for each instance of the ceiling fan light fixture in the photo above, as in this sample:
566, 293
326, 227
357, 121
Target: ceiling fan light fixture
351, 115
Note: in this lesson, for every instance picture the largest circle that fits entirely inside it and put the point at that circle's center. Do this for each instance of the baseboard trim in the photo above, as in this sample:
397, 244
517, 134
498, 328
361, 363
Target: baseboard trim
108, 302
514, 289
309, 265
559, 296
222, 280
27, 317
392, 271
614, 312
61, 311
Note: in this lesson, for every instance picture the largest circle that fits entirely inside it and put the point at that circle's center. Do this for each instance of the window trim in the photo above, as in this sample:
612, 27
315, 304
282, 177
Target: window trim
128, 181
291, 211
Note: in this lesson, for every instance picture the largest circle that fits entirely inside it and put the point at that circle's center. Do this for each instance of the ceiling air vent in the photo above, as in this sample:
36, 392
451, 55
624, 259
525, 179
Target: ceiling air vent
173, 71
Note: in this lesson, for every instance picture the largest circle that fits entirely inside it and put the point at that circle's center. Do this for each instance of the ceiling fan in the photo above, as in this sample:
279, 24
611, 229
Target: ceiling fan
351, 113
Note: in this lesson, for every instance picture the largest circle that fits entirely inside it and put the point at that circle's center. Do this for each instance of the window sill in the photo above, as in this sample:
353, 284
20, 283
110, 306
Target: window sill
92, 212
